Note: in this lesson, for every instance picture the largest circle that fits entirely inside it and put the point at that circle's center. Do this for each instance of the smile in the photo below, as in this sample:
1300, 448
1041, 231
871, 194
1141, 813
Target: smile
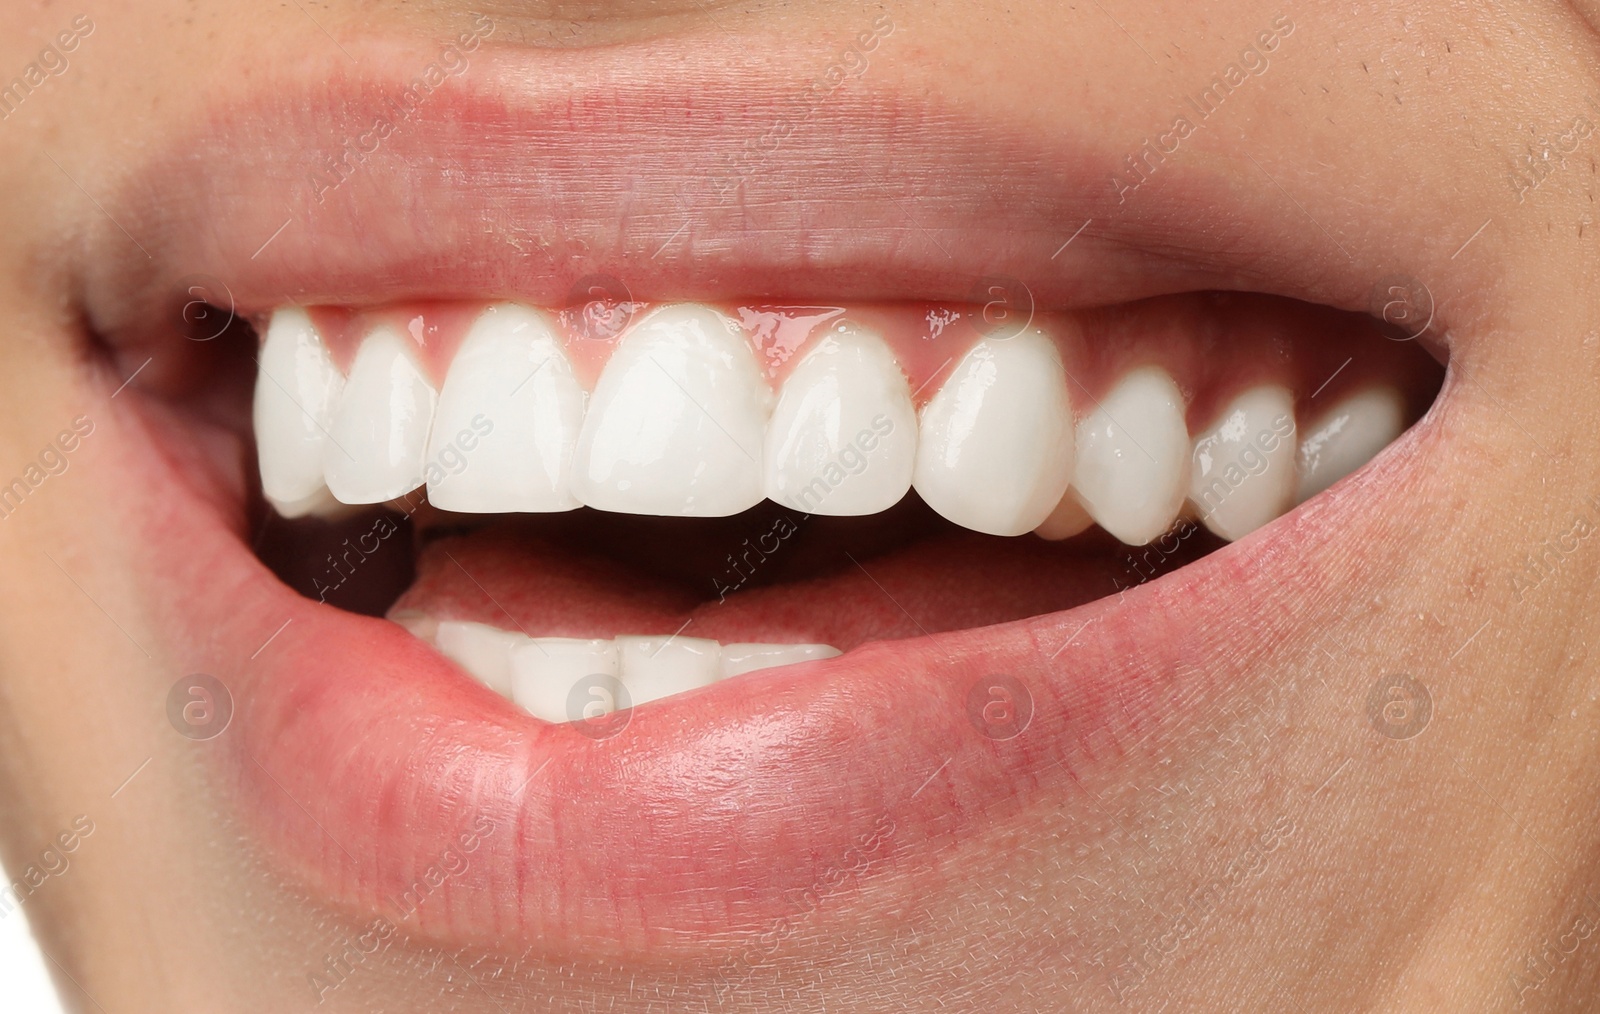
679, 567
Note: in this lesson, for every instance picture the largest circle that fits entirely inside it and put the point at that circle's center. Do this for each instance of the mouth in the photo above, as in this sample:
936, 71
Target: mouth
599, 602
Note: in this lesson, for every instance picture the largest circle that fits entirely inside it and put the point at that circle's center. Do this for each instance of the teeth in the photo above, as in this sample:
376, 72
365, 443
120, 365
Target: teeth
1347, 437
540, 674
738, 659
508, 417
843, 439
379, 436
481, 650
297, 391
657, 667
544, 671
996, 447
1133, 457
1068, 519
1243, 466
676, 424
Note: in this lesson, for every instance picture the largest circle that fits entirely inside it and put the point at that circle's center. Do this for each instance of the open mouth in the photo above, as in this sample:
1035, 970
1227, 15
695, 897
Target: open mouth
653, 588
835, 476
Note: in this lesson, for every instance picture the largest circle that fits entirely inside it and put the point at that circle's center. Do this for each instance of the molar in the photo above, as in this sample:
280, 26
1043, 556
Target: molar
1243, 465
1346, 437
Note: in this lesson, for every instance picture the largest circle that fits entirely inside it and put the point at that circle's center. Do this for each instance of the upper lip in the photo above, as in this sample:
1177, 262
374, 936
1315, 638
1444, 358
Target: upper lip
523, 175
362, 755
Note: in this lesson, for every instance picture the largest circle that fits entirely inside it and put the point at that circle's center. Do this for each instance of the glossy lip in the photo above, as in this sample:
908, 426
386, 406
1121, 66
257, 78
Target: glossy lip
360, 757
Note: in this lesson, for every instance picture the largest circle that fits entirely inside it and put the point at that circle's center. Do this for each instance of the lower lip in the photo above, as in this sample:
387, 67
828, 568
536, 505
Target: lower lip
392, 786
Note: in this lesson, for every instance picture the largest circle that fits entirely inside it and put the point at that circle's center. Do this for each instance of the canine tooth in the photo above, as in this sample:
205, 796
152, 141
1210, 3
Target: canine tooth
677, 420
995, 451
843, 439
546, 670
379, 435
1068, 519
1133, 457
297, 393
738, 659
1242, 473
1348, 436
482, 650
657, 667
508, 416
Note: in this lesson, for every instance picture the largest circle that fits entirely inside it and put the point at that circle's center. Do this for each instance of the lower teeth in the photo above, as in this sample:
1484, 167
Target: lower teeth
540, 674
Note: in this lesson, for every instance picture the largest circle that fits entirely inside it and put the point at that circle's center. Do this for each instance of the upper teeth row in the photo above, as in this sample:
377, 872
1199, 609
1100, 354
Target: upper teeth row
682, 422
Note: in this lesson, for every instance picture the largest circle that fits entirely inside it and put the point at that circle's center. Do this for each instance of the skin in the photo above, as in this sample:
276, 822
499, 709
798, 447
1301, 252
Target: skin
1365, 870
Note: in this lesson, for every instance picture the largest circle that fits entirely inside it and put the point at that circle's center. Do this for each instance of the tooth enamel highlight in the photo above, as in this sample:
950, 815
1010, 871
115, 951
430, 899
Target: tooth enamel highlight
544, 671
1242, 469
297, 392
481, 650
508, 417
1348, 436
1133, 457
379, 437
738, 659
995, 450
843, 439
677, 421
657, 667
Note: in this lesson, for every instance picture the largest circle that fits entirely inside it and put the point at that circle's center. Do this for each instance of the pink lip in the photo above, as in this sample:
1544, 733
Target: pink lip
361, 758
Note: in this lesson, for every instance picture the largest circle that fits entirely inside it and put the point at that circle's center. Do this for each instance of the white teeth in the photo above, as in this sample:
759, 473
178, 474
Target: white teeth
562, 679
297, 392
738, 659
508, 417
1133, 457
379, 436
843, 439
1347, 437
657, 667
676, 423
545, 671
481, 650
995, 451
1243, 466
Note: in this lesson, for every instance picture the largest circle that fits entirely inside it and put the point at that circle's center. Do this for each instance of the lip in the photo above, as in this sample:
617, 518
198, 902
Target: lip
359, 757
